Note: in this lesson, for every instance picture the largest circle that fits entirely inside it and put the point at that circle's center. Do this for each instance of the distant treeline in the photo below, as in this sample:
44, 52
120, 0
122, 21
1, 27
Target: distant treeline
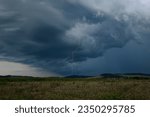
105, 75
125, 75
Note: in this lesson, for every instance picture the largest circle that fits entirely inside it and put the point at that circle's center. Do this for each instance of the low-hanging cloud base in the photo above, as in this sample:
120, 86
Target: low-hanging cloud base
76, 36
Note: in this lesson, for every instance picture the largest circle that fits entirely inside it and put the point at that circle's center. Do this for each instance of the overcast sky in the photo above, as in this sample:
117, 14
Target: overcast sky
90, 37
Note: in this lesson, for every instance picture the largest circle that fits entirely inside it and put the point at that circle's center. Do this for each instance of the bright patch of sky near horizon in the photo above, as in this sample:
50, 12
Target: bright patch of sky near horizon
13, 68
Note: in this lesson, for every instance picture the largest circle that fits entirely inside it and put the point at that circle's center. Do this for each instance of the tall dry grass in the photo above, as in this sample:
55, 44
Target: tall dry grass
96, 89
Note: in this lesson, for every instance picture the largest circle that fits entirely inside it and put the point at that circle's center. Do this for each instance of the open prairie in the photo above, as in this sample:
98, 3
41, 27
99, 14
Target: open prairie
26, 88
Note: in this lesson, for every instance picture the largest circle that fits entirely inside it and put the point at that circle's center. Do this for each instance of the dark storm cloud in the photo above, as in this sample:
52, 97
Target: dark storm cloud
53, 34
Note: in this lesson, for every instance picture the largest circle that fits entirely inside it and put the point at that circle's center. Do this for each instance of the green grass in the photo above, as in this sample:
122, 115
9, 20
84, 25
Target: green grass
26, 88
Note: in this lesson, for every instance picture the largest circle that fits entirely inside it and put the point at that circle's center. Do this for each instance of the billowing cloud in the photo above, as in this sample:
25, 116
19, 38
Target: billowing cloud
57, 35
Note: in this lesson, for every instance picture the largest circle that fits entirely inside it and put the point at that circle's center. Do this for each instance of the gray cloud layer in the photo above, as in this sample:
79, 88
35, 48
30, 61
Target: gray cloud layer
53, 34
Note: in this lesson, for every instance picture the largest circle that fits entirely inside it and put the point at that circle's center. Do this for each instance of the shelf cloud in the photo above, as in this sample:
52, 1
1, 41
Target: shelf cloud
60, 36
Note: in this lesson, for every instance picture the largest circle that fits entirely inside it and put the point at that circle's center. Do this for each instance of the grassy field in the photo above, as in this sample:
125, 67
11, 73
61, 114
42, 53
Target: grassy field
75, 88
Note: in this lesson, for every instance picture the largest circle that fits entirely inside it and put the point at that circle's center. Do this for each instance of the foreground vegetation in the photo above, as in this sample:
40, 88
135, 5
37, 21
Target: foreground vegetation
74, 88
